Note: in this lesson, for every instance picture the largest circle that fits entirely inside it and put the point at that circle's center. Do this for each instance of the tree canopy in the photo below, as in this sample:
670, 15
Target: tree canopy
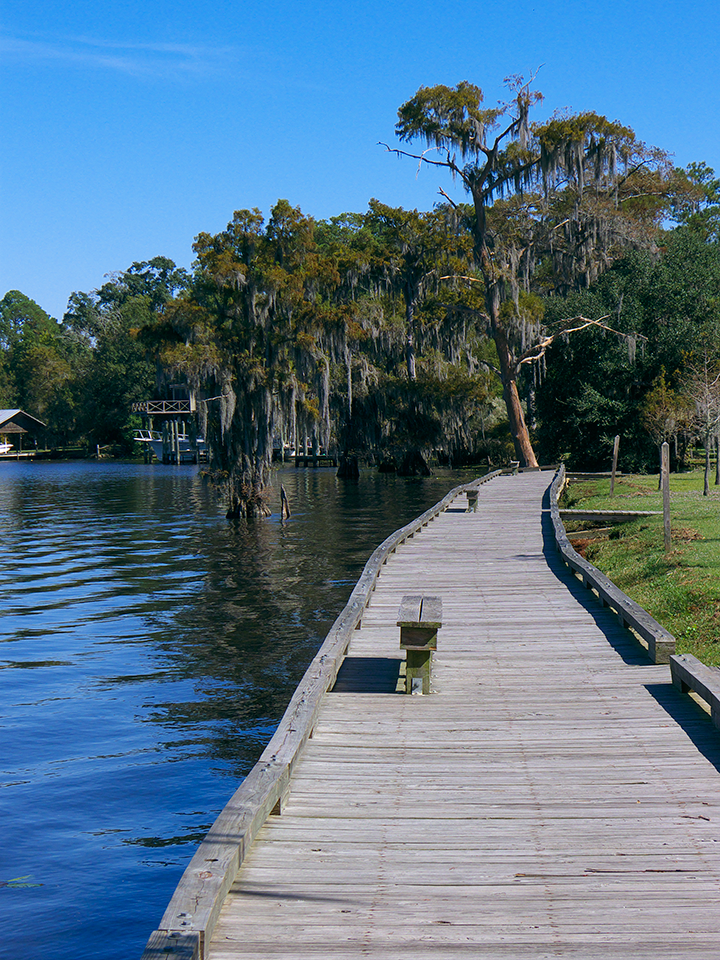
566, 301
555, 204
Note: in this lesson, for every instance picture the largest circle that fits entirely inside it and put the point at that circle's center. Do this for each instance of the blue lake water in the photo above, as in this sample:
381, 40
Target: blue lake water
148, 648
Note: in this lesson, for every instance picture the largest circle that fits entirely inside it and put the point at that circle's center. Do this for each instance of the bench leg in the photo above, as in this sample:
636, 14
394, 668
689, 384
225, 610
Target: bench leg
417, 676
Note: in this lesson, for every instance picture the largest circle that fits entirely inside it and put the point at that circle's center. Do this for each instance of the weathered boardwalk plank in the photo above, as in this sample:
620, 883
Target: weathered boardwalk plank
554, 796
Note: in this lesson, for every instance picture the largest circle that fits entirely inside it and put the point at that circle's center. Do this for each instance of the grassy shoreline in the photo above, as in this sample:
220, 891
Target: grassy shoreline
681, 590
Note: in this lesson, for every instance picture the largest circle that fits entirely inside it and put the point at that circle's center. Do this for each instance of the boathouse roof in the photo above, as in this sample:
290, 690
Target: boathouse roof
17, 421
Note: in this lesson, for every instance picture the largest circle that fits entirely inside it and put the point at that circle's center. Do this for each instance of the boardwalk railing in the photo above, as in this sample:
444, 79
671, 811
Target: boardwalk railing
660, 643
193, 911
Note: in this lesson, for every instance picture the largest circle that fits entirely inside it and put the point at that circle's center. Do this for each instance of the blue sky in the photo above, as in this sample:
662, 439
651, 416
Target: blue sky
129, 127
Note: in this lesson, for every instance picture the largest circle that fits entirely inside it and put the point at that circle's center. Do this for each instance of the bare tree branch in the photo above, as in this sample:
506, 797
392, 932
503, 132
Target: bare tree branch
599, 323
421, 158
449, 200
459, 276
538, 350
491, 367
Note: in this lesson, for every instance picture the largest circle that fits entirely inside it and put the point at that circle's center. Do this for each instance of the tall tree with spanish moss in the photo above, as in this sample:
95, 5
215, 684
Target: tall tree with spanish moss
554, 205
256, 334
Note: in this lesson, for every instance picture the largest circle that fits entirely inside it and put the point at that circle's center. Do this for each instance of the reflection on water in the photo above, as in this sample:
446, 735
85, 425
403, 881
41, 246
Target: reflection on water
148, 649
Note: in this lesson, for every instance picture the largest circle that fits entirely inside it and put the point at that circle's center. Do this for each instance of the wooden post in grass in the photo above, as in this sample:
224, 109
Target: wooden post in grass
665, 476
616, 447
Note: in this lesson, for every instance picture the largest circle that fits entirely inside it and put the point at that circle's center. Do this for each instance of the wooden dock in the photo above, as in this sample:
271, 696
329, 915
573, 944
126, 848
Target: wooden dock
18, 455
553, 796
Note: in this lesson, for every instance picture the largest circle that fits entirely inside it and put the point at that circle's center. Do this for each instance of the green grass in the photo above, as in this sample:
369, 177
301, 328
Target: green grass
681, 589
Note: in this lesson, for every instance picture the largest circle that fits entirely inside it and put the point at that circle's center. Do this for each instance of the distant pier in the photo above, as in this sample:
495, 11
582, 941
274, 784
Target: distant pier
18, 455
313, 460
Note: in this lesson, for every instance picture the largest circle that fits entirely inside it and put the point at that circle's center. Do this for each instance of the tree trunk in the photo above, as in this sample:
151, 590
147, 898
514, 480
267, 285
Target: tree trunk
246, 503
348, 468
348, 367
410, 342
413, 465
518, 428
706, 478
508, 367
243, 478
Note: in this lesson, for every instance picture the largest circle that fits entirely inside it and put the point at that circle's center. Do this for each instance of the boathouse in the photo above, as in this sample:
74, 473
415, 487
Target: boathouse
14, 424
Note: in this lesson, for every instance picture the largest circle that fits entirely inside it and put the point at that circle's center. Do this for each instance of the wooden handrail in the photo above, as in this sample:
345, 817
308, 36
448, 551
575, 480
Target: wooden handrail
193, 911
661, 643
612, 516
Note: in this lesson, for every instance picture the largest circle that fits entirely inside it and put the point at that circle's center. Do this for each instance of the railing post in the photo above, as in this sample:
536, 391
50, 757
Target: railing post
665, 470
616, 447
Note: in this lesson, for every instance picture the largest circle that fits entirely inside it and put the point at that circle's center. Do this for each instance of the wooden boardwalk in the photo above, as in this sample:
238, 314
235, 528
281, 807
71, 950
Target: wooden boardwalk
554, 796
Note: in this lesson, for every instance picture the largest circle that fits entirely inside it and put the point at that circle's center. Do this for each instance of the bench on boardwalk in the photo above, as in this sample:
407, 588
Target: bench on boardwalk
690, 674
419, 619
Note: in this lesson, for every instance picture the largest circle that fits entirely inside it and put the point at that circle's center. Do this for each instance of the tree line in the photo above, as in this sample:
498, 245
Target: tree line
573, 297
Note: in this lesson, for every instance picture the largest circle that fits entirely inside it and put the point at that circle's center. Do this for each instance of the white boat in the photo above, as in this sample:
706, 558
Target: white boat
5, 447
189, 449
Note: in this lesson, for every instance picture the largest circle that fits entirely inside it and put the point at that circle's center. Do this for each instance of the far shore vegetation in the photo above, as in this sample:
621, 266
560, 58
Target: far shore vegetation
573, 295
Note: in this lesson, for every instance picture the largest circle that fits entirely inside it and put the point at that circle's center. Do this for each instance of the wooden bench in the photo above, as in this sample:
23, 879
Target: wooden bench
419, 620
689, 673
472, 496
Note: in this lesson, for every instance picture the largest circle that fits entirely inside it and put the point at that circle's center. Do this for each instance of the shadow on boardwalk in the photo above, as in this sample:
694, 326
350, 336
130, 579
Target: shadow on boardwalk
690, 717
683, 710
368, 675
619, 639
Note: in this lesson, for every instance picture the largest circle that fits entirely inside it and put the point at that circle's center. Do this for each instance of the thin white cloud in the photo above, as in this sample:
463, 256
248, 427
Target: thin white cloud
161, 60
